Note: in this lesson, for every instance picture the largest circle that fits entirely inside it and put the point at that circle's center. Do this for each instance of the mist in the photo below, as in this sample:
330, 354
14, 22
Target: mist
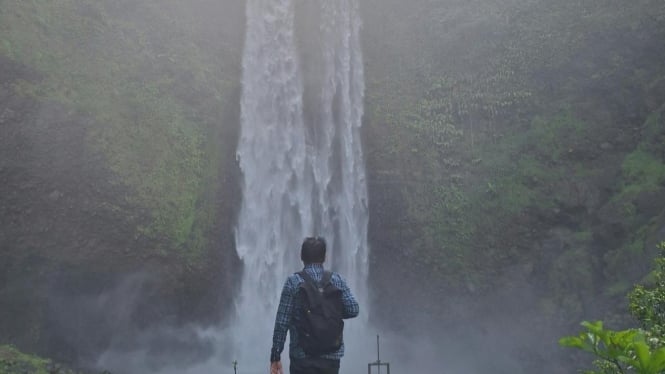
488, 174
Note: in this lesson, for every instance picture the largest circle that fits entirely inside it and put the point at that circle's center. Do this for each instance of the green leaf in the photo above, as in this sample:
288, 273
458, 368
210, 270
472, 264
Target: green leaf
658, 360
643, 354
571, 341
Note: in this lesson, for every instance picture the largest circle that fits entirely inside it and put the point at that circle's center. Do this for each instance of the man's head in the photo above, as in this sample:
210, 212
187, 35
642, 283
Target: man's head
313, 251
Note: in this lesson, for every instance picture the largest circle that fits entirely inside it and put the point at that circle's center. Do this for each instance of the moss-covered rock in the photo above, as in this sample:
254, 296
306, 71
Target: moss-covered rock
134, 75
119, 123
13, 361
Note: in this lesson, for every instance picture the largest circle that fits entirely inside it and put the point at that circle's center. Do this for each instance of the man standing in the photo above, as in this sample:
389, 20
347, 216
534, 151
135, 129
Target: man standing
311, 309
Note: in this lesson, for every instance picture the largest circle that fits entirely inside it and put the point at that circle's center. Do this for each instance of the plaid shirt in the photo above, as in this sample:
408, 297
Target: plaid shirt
289, 310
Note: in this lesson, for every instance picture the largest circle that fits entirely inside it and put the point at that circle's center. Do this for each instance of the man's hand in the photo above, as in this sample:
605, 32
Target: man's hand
276, 367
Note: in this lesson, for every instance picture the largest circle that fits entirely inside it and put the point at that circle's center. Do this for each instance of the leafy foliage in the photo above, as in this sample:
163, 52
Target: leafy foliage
13, 361
647, 304
507, 118
633, 350
643, 172
624, 351
146, 86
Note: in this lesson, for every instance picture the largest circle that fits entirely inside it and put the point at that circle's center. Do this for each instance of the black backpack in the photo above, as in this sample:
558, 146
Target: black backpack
321, 325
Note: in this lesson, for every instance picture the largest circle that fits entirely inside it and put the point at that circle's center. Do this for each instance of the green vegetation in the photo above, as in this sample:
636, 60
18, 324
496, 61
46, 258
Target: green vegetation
626, 351
513, 115
13, 361
643, 172
555, 138
647, 302
144, 84
521, 139
525, 143
640, 350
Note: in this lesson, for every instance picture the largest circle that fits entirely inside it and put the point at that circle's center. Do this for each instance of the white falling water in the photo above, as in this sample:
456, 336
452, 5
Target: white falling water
299, 179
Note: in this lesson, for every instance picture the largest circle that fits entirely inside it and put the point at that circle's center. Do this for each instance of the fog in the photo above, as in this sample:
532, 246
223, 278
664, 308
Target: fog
497, 343
94, 118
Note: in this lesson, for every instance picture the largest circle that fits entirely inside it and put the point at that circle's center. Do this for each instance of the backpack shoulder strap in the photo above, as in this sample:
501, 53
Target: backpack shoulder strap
306, 277
326, 278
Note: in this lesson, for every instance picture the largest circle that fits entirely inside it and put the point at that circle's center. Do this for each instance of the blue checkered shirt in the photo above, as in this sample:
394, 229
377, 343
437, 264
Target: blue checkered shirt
289, 309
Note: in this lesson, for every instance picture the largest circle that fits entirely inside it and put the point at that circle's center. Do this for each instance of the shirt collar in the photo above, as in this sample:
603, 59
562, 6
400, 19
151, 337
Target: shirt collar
314, 266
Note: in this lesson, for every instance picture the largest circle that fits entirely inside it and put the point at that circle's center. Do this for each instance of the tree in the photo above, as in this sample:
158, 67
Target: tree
640, 350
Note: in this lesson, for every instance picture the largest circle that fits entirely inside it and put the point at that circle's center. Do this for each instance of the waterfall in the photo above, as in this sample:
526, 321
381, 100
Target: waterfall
299, 179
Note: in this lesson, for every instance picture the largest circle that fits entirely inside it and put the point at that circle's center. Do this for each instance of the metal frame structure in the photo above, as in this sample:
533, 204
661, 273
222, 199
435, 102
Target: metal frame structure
378, 362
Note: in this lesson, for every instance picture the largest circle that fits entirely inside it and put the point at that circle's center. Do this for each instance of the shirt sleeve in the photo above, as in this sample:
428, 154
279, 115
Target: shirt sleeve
282, 321
351, 307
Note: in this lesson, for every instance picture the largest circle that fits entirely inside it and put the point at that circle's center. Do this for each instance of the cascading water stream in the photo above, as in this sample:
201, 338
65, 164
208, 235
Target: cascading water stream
298, 183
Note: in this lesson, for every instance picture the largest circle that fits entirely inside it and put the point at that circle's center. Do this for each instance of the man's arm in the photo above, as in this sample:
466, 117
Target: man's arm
351, 307
282, 321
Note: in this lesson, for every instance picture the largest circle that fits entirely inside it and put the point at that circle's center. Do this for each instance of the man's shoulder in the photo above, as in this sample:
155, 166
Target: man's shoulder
337, 279
294, 279
334, 276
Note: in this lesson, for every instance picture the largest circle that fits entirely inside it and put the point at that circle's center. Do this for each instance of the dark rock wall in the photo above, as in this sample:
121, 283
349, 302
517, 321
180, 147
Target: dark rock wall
75, 274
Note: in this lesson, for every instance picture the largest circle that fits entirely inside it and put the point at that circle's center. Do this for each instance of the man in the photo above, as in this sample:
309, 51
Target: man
290, 314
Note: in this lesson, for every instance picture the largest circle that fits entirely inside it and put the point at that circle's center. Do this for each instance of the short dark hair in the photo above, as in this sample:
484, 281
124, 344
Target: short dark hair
313, 250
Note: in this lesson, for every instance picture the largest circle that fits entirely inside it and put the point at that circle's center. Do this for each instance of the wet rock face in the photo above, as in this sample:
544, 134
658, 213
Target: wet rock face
56, 192
53, 217
71, 261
